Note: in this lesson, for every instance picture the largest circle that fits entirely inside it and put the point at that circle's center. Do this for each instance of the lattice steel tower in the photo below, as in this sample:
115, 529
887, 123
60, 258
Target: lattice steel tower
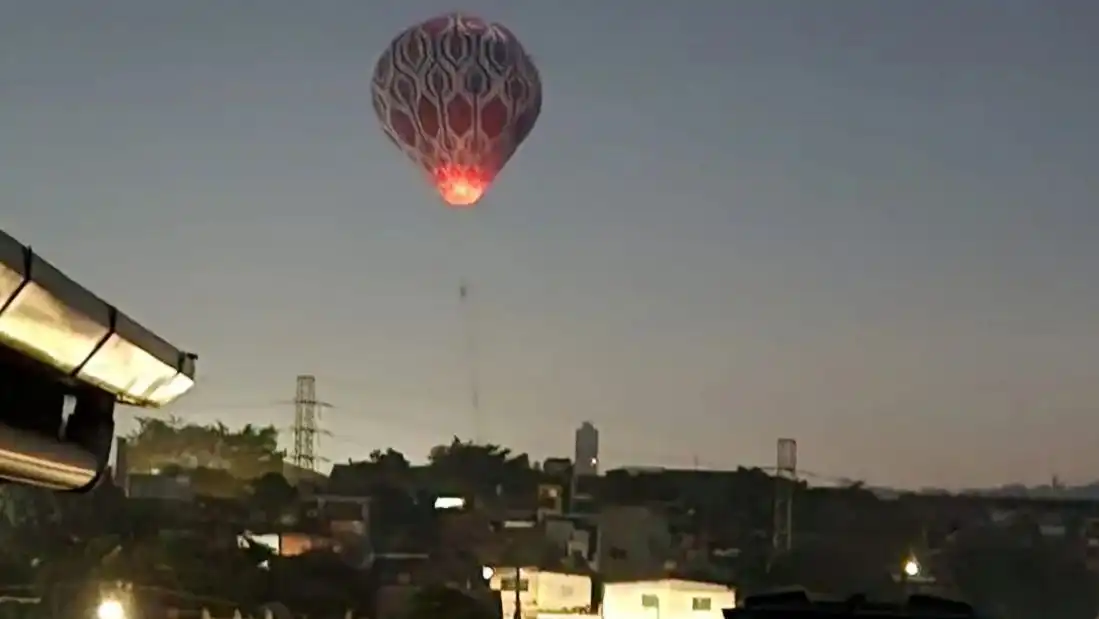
786, 475
306, 412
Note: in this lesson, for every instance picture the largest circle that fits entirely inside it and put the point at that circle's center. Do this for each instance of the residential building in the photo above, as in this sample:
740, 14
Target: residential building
634, 543
541, 591
666, 599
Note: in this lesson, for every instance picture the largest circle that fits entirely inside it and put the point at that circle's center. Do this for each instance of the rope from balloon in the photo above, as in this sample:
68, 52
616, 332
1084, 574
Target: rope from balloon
469, 325
465, 250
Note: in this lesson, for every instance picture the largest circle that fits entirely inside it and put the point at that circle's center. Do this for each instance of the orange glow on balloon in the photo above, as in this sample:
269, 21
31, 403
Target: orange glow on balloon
461, 186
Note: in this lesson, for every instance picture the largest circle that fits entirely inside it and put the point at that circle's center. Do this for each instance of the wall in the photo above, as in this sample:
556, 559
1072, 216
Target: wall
634, 544
562, 592
665, 599
541, 591
162, 487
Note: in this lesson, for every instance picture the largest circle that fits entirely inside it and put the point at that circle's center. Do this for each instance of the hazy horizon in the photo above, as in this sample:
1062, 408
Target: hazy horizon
868, 226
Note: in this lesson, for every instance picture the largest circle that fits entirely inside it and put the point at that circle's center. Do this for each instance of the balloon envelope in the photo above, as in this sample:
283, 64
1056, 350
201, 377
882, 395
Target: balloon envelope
458, 95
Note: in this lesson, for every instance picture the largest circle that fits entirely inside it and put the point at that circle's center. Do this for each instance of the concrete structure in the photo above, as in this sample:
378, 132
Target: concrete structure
634, 543
586, 457
541, 591
666, 599
576, 539
159, 487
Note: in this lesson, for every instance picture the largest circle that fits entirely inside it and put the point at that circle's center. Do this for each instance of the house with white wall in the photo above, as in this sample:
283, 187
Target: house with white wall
540, 591
666, 599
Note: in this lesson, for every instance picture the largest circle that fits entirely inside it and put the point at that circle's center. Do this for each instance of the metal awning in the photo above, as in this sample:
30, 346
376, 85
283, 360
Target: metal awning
47, 316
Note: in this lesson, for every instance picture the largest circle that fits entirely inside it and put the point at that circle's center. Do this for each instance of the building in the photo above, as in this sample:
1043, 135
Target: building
159, 487
557, 468
634, 543
587, 450
541, 591
666, 599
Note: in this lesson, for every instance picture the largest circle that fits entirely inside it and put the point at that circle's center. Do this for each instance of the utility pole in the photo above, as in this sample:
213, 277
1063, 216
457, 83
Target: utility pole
518, 613
513, 556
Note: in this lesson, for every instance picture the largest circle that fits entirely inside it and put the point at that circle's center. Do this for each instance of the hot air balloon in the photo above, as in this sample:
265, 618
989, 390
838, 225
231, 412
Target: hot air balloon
458, 95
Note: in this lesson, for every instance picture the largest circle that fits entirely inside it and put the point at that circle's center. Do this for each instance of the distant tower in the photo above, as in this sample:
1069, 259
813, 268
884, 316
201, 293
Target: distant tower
586, 461
306, 410
785, 479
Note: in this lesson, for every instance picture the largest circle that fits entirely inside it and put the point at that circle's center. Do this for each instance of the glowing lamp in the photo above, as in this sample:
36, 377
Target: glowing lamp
51, 318
911, 568
110, 609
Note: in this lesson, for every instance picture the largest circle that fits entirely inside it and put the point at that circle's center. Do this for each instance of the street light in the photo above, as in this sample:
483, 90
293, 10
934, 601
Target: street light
912, 568
913, 576
110, 608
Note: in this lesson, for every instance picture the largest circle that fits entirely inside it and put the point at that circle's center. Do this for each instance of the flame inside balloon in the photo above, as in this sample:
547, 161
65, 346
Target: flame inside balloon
460, 186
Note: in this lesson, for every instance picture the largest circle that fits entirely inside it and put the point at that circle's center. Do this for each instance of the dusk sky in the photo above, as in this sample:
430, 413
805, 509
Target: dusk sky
867, 225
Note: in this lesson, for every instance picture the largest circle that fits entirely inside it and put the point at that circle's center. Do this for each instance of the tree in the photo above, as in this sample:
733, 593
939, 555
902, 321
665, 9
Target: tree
319, 583
835, 567
216, 482
1016, 579
390, 459
483, 468
247, 453
160, 567
39, 524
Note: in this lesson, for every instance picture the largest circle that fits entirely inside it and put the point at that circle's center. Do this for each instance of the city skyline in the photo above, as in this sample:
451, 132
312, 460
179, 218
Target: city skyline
867, 226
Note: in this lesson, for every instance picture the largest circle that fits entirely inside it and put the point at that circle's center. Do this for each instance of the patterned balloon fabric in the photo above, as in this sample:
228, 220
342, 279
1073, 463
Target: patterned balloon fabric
458, 95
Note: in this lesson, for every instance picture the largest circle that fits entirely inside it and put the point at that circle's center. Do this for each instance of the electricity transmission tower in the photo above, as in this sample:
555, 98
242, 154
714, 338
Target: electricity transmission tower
307, 412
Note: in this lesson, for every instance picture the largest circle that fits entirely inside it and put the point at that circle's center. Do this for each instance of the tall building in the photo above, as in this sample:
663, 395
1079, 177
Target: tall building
587, 450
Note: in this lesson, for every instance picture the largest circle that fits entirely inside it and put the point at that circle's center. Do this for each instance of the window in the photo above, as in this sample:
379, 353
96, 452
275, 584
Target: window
700, 603
508, 584
649, 600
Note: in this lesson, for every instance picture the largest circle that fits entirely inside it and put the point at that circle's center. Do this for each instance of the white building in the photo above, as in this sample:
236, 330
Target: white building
586, 457
541, 591
666, 599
